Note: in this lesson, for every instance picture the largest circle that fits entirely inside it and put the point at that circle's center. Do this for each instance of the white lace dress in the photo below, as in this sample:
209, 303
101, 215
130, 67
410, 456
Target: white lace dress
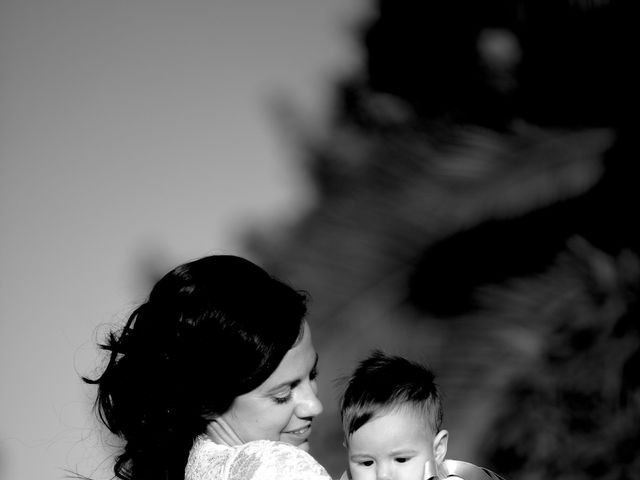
257, 460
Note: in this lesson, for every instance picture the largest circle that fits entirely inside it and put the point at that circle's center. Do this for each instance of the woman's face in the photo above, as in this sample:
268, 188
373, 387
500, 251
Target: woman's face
283, 407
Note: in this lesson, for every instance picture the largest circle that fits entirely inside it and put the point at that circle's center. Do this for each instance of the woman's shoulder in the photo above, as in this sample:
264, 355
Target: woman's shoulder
257, 460
207, 460
265, 459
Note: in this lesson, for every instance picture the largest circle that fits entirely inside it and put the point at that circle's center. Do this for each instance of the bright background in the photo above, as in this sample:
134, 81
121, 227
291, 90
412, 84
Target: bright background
134, 132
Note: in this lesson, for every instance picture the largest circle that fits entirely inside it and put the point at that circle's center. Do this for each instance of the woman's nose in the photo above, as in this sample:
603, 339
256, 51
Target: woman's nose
309, 405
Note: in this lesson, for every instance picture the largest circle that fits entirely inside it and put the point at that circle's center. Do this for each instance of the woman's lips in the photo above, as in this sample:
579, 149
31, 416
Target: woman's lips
300, 434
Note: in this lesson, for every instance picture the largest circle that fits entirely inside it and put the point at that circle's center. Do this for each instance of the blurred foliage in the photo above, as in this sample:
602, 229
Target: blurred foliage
574, 411
550, 62
475, 193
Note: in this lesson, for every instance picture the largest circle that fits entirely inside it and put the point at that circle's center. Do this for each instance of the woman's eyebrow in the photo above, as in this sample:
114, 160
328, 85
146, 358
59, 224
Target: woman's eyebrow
293, 382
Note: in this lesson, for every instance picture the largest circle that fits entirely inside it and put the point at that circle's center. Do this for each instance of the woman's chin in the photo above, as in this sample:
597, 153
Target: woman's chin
302, 444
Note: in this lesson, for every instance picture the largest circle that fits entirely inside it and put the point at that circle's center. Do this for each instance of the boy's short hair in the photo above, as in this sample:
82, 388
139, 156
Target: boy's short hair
383, 383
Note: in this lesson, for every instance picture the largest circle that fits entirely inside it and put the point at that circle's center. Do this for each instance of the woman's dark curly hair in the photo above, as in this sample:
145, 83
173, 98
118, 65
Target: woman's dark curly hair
211, 330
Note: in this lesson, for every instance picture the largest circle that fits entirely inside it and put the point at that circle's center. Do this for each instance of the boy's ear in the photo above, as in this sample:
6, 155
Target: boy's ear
440, 446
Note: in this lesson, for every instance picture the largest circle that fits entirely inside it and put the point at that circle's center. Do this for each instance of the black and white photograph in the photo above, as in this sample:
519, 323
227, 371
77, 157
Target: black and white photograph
319, 240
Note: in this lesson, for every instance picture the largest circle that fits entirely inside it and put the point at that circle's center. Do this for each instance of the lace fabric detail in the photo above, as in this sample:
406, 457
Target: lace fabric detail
257, 460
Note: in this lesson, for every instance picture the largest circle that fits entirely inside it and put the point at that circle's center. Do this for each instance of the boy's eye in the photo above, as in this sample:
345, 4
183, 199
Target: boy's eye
367, 463
402, 459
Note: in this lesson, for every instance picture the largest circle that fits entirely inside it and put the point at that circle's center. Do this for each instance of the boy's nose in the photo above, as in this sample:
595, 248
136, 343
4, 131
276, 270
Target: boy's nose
383, 472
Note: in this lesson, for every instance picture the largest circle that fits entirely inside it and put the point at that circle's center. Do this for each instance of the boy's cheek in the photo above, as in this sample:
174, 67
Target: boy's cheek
352, 473
355, 473
423, 470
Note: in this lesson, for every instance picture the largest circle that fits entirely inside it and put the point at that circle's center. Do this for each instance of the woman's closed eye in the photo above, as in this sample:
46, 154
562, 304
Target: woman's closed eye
283, 397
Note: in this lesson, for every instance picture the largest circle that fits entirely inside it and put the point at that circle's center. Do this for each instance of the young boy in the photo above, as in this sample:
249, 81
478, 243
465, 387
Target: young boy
392, 418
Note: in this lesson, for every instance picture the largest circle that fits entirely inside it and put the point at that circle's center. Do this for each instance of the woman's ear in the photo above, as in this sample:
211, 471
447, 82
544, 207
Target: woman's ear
440, 446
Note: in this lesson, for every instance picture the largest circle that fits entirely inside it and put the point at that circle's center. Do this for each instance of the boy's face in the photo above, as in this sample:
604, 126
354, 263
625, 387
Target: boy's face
392, 446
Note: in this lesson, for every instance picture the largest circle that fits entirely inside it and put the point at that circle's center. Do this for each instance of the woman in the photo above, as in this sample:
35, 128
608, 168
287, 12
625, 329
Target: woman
214, 373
